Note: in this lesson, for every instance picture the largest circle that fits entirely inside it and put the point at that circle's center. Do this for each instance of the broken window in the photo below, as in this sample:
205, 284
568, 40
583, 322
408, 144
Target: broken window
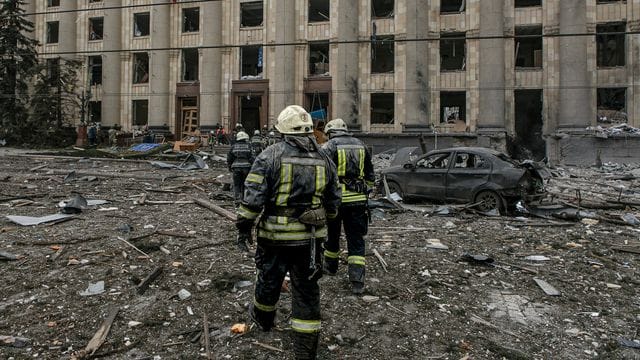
435, 161
382, 54
95, 70
528, 3
140, 112
611, 44
95, 111
382, 108
190, 64
319, 58
96, 28
52, 3
382, 9
141, 23
452, 6
191, 20
452, 51
612, 105
470, 161
251, 62
251, 14
610, 1
95, 1
453, 107
140, 68
528, 47
53, 29
319, 10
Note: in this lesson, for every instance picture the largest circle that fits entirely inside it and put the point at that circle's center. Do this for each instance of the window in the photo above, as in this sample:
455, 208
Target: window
435, 161
382, 54
319, 10
528, 3
140, 68
610, 39
53, 29
95, 70
141, 23
53, 70
610, 1
382, 9
612, 105
251, 14
191, 20
140, 112
52, 3
190, 64
96, 27
470, 161
95, 1
452, 6
319, 58
452, 51
528, 47
95, 111
382, 108
251, 62
453, 106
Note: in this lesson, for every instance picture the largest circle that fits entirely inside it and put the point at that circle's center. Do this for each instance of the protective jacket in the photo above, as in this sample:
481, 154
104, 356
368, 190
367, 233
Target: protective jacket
240, 155
287, 179
257, 143
354, 166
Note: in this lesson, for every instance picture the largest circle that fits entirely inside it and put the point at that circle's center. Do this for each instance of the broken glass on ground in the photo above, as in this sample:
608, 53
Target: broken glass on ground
31, 220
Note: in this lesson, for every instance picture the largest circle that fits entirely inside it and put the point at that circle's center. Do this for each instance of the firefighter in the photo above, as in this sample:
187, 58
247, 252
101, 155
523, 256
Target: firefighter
355, 173
297, 189
239, 160
257, 142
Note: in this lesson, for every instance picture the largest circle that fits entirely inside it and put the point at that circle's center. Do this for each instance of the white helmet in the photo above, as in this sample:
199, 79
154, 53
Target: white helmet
294, 120
335, 125
241, 135
256, 132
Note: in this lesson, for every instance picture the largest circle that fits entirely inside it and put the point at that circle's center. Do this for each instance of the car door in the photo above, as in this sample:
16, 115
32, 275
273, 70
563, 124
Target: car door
468, 172
428, 178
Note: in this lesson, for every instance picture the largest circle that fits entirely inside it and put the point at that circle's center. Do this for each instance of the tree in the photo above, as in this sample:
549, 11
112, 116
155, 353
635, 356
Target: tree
54, 101
18, 60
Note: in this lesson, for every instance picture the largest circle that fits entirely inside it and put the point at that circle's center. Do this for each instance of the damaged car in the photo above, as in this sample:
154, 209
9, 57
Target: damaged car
481, 176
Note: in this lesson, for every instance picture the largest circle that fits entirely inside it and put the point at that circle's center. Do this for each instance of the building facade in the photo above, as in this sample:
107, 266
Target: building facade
520, 73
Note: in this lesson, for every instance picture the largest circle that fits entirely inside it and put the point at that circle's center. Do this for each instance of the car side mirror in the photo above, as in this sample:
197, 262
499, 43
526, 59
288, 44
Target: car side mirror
409, 166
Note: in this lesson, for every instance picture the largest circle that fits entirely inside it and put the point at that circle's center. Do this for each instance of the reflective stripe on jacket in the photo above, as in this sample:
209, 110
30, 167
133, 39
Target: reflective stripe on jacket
241, 155
354, 166
286, 179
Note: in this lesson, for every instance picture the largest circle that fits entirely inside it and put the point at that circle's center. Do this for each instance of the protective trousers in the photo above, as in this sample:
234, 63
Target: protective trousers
239, 175
273, 263
356, 224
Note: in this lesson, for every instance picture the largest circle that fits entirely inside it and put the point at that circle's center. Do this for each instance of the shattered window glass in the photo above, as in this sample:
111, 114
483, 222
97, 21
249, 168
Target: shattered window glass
140, 68
141, 24
191, 20
96, 28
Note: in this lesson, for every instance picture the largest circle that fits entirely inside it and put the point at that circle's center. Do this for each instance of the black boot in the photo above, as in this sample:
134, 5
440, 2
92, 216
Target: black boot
330, 266
356, 277
264, 320
242, 243
305, 346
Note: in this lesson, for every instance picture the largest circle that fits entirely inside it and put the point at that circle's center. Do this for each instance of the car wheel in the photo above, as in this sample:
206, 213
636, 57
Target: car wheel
395, 188
488, 200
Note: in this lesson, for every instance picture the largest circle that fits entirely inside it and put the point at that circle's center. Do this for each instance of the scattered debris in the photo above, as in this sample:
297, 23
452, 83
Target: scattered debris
634, 344
5, 256
31, 220
14, 341
99, 337
144, 284
94, 289
546, 287
239, 328
184, 294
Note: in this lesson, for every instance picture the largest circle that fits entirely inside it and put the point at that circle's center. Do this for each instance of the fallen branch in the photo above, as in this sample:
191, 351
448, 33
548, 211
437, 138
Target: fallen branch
168, 202
133, 246
484, 322
205, 333
174, 234
268, 347
144, 284
628, 249
99, 337
216, 209
380, 259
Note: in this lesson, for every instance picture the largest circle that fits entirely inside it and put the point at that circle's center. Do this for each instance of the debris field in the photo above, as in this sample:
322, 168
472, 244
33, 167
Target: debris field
152, 272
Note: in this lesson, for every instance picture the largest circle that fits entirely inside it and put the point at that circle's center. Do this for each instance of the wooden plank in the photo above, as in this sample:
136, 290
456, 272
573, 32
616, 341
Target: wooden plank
144, 284
99, 337
216, 209
546, 287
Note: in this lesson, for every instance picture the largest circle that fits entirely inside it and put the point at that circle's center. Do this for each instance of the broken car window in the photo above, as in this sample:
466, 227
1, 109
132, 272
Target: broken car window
435, 161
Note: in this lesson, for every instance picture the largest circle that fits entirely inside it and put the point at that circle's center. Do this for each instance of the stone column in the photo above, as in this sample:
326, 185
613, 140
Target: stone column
67, 35
575, 109
281, 28
344, 62
211, 66
416, 75
159, 96
111, 65
492, 67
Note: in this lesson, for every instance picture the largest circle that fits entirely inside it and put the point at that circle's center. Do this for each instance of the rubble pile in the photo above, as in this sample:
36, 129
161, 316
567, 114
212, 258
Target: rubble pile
145, 267
620, 129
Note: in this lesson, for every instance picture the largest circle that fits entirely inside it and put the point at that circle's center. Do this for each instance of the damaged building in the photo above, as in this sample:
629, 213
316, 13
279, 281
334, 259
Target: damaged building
525, 76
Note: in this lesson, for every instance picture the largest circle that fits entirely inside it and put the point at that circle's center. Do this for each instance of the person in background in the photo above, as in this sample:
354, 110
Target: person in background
239, 160
257, 142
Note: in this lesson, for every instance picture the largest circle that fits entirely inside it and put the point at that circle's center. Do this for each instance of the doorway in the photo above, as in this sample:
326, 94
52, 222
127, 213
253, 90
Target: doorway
250, 110
528, 142
189, 116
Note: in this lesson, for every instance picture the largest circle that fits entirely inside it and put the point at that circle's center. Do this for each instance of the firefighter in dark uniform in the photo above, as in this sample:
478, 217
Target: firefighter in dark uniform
355, 173
239, 160
257, 142
297, 187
